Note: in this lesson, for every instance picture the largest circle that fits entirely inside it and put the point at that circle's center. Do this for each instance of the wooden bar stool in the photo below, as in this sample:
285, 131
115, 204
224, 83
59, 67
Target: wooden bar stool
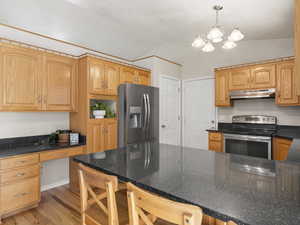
91, 182
147, 208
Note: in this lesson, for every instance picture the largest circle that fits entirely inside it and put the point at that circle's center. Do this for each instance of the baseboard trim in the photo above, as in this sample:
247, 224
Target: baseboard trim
54, 185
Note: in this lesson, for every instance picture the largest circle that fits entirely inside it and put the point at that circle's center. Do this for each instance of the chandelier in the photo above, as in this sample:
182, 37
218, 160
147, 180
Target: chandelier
216, 35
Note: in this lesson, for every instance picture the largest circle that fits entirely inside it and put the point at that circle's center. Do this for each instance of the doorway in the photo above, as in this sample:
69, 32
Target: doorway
199, 111
170, 110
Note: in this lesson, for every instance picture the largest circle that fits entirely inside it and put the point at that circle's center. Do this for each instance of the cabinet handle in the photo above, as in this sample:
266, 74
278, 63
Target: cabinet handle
20, 174
22, 194
39, 99
21, 162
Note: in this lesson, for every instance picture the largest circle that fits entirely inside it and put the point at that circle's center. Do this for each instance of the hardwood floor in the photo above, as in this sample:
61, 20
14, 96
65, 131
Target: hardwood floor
59, 206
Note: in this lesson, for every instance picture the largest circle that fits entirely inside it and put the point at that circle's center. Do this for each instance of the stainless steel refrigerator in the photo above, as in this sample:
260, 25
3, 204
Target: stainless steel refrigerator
138, 112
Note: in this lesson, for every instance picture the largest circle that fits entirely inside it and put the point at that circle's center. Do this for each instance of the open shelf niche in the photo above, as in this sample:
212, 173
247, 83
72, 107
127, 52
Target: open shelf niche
111, 106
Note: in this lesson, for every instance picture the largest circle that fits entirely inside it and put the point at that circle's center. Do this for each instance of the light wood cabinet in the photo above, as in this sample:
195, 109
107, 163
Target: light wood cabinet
60, 83
104, 77
221, 89
280, 148
112, 78
286, 84
128, 75
61, 153
239, 79
297, 44
215, 141
32, 80
102, 135
263, 76
21, 79
96, 76
143, 77
20, 183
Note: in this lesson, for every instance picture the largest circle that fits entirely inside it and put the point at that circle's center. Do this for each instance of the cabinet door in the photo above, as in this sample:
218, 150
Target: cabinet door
128, 75
112, 77
286, 87
263, 76
239, 79
143, 77
297, 43
20, 79
96, 77
96, 137
281, 148
111, 134
221, 89
60, 82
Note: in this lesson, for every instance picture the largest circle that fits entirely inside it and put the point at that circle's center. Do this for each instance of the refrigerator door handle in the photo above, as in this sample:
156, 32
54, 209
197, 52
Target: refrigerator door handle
145, 111
149, 111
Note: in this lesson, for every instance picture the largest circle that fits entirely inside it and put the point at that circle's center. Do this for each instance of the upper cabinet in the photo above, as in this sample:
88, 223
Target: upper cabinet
239, 79
21, 79
112, 77
60, 83
134, 76
221, 89
279, 74
286, 85
263, 76
297, 45
128, 75
104, 77
33, 80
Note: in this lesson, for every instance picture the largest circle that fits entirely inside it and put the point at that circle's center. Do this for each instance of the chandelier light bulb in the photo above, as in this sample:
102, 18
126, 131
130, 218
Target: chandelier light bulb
208, 47
198, 42
229, 45
236, 35
215, 34
217, 40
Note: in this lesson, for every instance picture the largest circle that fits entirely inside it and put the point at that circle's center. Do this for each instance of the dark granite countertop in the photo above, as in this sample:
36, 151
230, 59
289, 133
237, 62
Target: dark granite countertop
24, 145
247, 190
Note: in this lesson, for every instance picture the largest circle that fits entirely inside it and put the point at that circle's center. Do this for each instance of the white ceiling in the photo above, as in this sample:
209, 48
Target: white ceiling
134, 28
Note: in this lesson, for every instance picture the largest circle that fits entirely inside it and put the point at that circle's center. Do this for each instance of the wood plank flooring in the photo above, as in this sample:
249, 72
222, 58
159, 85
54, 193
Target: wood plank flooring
59, 206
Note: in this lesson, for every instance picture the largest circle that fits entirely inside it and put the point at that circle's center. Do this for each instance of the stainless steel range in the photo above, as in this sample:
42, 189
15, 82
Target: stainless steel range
250, 135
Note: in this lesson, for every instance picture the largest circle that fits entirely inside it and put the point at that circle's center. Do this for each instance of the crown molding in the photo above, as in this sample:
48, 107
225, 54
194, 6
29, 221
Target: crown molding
84, 47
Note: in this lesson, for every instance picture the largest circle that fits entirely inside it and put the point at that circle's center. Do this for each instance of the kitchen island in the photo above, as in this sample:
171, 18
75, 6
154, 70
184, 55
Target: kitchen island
243, 189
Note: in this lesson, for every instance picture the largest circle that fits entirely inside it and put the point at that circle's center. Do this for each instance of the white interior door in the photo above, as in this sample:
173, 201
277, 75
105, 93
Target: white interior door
170, 109
198, 111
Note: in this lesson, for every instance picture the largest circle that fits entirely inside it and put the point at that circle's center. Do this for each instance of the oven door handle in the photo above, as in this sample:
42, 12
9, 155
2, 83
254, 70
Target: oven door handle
247, 138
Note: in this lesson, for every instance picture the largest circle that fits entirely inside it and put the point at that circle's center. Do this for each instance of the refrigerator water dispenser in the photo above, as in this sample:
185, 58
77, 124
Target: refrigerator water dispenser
135, 117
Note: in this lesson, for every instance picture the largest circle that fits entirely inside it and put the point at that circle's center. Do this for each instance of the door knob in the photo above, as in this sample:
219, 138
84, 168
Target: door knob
163, 126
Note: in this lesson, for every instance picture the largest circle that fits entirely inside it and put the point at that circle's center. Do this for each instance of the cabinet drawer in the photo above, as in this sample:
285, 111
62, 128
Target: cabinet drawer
18, 174
215, 136
215, 146
19, 161
59, 154
76, 151
19, 194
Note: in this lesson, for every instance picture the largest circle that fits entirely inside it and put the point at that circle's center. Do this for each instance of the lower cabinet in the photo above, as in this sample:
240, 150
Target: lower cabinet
102, 135
20, 183
280, 148
215, 141
20, 179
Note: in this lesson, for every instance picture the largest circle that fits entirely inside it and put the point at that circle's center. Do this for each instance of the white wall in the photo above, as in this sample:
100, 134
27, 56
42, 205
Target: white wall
19, 124
287, 115
196, 63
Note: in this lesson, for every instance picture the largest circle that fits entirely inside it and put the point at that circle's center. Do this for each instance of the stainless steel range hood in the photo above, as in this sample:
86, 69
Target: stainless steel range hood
251, 94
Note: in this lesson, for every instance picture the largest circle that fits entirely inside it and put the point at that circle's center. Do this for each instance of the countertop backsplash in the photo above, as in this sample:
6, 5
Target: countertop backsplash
287, 115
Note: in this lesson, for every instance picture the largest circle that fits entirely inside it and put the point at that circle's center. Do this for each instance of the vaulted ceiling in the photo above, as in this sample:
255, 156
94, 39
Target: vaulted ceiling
134, 28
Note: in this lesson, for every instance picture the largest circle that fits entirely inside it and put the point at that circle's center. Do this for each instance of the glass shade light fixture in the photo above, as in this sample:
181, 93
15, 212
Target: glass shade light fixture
208, 47
216, 35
